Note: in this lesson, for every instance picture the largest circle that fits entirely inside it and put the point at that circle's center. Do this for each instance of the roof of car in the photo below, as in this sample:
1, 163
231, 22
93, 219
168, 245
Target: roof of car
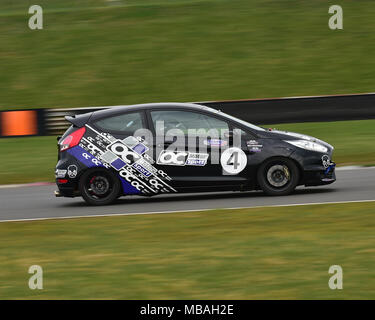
161, 105
80, 119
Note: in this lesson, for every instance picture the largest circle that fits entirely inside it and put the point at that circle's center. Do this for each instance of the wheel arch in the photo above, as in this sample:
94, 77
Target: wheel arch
298, 165
104, 169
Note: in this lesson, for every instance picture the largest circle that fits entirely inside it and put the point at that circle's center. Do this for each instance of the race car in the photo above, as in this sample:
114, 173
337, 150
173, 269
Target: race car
159, 148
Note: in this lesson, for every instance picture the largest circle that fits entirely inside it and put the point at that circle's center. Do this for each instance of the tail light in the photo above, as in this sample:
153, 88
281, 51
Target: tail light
73, 139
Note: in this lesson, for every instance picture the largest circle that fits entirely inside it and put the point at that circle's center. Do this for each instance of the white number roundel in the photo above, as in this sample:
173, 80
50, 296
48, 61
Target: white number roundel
233, 160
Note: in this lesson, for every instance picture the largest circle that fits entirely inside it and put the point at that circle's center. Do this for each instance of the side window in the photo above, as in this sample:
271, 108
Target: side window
242, 138
127, 123
186, 120
244, 135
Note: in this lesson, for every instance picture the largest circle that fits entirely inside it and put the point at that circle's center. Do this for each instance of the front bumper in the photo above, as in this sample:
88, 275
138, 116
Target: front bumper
321, 177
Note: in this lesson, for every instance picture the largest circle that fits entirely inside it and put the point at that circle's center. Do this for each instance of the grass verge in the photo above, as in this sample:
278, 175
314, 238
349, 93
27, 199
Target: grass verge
98, 52
260, 253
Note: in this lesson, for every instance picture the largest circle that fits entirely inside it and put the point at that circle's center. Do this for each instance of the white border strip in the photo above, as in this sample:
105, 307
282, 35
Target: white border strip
181, 211
352, 168
35, 184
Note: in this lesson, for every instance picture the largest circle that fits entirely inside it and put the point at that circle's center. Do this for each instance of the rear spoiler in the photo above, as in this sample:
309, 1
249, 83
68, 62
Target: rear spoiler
79, 120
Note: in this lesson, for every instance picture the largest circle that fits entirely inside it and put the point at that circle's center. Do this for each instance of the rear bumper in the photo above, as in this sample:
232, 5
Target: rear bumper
69, 190
57, 194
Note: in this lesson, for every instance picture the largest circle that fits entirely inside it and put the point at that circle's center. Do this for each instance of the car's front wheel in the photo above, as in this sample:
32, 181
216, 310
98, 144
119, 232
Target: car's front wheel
99, 187
278, 176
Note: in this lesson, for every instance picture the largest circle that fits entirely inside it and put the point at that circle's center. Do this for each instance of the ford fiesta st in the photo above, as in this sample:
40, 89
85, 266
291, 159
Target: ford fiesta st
152, 149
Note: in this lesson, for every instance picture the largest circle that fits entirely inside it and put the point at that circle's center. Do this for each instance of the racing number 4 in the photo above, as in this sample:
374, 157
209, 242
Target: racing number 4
233, 160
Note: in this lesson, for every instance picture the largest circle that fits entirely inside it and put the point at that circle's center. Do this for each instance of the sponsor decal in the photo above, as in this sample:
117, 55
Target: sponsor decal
85, 157
110, 158
129, 158
196, 159
94, 160
253, 143
182, 158
148, 158
141, 169
72, 171
326, 161
60, 173
90, 147
233, 161
90, 161
172, 158
134, 144
255, 149
328, 165
119, 148
254, 146
118, 164
215, 142
128, 188
144, 168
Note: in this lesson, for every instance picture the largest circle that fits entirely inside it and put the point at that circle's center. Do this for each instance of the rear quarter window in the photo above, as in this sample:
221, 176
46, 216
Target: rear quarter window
124, 123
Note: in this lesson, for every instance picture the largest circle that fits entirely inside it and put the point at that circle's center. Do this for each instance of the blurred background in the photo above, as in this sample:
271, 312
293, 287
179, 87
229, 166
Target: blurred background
115, 52
102, 52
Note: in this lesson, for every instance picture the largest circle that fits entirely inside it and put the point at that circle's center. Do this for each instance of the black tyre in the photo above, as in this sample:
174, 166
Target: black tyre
99, 187
278, 176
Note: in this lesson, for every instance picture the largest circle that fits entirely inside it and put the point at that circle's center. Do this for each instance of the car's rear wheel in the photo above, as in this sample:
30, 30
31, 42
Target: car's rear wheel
99, 187
278, 176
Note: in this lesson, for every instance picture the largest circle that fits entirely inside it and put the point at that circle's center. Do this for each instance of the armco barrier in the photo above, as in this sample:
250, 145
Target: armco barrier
265, 111
55, 118
301, 109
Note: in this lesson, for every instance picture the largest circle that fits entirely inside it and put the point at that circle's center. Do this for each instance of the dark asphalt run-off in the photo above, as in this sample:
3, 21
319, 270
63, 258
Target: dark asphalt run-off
39, 202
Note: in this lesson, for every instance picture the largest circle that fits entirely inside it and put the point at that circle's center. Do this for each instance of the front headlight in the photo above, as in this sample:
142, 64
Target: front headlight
308, 145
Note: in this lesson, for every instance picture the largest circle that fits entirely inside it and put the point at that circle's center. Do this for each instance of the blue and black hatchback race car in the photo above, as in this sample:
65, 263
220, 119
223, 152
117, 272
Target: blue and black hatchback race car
150, 149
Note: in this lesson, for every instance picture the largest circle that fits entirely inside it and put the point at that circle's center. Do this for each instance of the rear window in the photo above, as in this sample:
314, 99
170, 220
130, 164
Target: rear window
126, 123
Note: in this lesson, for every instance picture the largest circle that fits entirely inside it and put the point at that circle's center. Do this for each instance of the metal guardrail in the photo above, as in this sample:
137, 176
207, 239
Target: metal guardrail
55, 118
264, 111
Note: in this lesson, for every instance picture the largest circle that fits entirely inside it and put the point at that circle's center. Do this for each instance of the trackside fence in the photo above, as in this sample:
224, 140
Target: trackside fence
260, 111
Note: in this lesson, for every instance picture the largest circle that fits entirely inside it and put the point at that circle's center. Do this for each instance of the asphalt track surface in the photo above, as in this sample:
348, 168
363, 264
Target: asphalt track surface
38, 202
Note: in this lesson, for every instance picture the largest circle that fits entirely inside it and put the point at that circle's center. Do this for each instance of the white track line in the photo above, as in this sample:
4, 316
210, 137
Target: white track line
36, 184
352, 168
194, 210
